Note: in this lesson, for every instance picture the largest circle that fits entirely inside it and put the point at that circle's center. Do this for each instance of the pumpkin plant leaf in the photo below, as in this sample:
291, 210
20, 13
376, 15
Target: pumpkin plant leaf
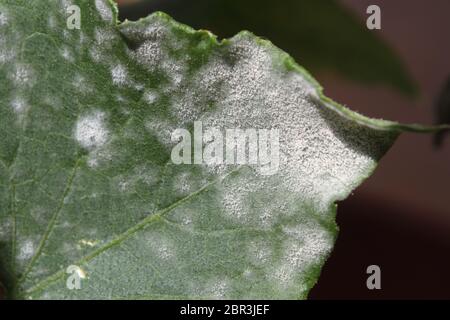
92, 203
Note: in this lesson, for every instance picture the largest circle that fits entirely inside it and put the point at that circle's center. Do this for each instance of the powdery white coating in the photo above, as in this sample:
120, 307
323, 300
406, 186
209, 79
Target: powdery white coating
91, 131
5, 230
65, 4
3, 17
150, 97
19, 105
95, 54
119, 75
149, 54
104, 37
161, 245
23, 74
26, 250
260, 253
303, 249
104, 9
81, 84
67, 54
215, 288
6, 54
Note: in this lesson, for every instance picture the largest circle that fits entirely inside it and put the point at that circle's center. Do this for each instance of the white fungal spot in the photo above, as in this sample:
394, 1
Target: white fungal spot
95, 54
19, 106
150, 97
27, 250
104, 9
91, 131
3, 17
23, 74
6, 54
119, 75
104, 38
67, 54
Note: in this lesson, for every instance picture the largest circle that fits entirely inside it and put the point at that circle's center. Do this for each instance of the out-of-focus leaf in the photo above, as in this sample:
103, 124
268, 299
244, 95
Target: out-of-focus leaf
442, 112
320, 34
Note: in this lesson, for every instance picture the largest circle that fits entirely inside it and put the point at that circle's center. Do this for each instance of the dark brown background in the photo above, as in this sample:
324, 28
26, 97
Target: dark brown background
400, 218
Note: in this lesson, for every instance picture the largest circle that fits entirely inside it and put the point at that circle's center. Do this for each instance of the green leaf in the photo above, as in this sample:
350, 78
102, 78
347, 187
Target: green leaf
321, 35
86, 177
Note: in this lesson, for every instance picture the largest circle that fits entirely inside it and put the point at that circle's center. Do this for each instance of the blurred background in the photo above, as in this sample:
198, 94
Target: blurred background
400, 218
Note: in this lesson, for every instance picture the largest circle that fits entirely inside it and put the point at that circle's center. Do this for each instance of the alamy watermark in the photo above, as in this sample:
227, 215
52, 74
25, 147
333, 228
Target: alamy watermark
374, 20
213, 147
74, 19
76, 274
373, 282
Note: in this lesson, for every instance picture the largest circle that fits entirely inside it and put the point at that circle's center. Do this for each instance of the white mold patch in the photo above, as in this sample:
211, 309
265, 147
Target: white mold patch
150, 97
23, 75
95, 54
67, 54
26, 250
3, 17
104, 38
91, 131
104, 9
119, 75
20, 106
149, 54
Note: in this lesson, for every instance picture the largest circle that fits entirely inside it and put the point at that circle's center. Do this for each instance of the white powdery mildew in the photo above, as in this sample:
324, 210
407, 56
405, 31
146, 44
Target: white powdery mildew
96, 55
5, 230
67, 54
260, 253
23, 75
104, 37
150, 97
65, 4
26, 250
119, 75
257, 95
20, 106
81, 84
161, 246
104, 9
217, 288
6, 54
150, 54
91, 131
3, 17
